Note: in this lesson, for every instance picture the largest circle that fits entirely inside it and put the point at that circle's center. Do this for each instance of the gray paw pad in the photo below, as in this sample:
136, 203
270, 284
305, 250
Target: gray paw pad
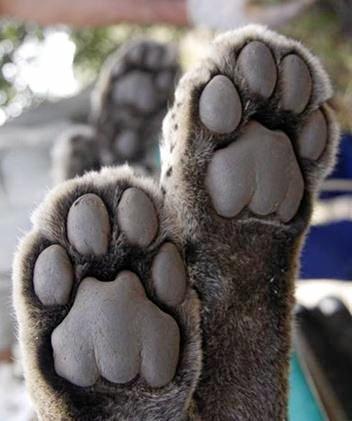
136, 89
260, 171
169, 275
53, 276
126, 144
164, 80
88, 225
257, 65
153, 57
114, 331
297, 84
220, 108
314, 136
137, 217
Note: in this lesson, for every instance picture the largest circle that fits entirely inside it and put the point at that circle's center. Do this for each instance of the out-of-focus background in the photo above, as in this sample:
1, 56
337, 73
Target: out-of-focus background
47, 76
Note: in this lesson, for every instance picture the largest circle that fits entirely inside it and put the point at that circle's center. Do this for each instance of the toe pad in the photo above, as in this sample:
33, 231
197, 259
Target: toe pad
220, 106
88, 225
296, 84
169, 275
137, 217
256, 64
314, 137
53, 276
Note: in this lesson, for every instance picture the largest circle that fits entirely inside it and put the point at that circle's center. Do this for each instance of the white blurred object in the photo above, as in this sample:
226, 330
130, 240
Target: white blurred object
231, 14
47, 66
310, 292
7, 332
332, 210
14, 401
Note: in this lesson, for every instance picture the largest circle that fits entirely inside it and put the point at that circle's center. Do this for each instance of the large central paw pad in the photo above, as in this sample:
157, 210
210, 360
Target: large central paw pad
260, 171
113, 329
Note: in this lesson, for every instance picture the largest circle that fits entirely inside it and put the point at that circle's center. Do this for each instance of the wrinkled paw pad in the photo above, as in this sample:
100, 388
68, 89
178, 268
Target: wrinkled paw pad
259, 169
113, 330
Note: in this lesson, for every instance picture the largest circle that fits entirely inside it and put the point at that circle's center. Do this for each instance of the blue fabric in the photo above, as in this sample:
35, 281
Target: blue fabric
328, 252
328, 249
343, 167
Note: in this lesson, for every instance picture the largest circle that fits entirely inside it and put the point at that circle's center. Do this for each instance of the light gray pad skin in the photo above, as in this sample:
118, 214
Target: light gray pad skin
114, 331
136, 89
314, 136
258, 171
137, 217
257, 66
53, 276
169, 275
88, 225
296, 84
220, 106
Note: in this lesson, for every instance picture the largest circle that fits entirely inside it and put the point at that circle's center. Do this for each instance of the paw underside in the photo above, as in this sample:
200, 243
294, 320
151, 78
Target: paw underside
128, 104
131, 99
258, 109
120, 282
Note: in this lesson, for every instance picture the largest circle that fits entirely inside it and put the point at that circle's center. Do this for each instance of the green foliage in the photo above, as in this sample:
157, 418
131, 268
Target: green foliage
12, 35
94, 45
321, 31
92, 48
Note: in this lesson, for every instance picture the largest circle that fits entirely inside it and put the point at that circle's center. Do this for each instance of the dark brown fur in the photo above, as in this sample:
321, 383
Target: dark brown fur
242, 268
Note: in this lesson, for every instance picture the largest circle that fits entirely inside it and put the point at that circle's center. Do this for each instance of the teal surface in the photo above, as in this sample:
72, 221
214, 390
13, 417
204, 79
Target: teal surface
302, 404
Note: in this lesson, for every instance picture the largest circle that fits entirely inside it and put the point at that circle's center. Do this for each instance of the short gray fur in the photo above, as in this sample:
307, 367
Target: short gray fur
114, 331
88, 225
53, 276
137, 217
257, 65
220, 108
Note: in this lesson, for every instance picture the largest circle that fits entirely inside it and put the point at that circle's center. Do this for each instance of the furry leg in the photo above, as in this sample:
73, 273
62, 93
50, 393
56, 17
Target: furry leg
246, 145
108, 321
